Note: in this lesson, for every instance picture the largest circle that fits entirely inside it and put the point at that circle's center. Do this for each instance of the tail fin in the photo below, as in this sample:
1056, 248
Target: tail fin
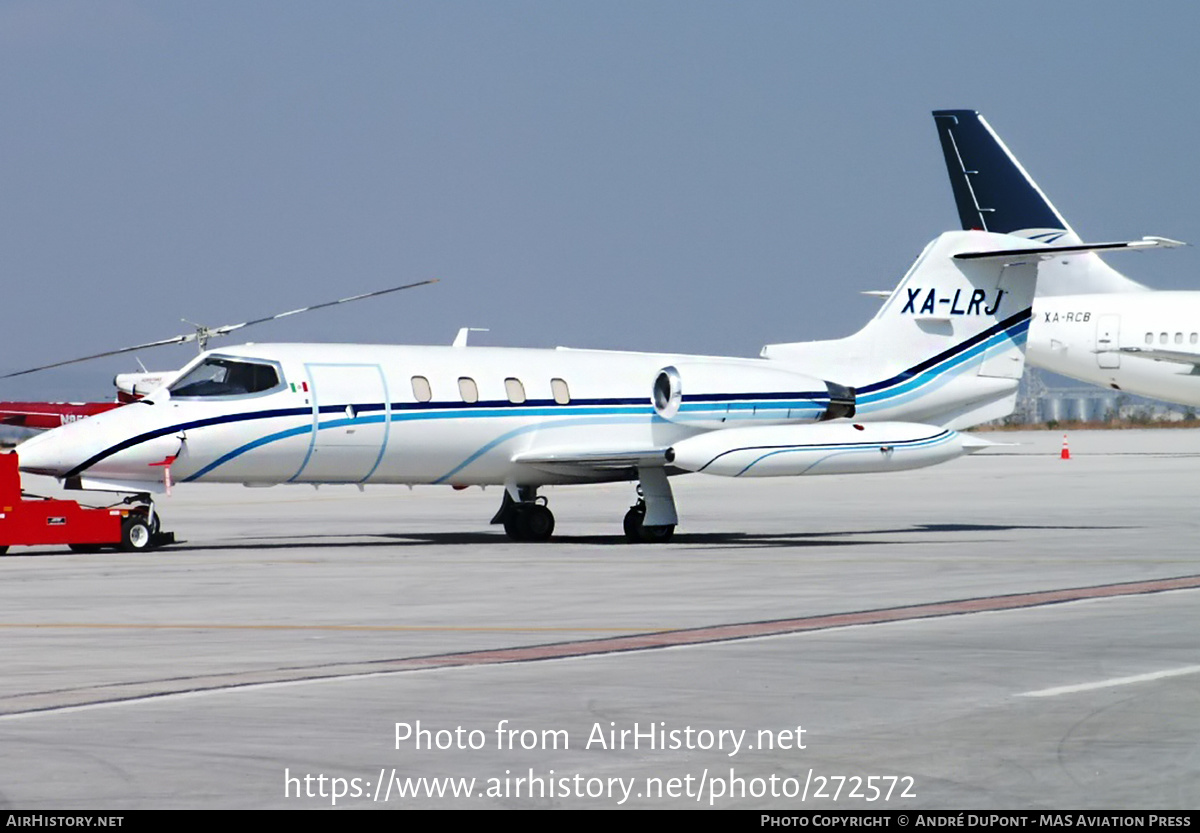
947, 347
991, 189
993, 192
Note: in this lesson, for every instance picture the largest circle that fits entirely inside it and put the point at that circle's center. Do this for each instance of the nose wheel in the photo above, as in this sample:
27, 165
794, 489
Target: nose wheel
141, 529
135, 534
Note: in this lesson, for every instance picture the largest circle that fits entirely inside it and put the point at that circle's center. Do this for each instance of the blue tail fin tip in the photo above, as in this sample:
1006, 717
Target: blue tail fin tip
991, 189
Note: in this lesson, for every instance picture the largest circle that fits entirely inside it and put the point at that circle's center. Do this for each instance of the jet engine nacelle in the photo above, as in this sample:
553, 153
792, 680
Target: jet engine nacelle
832, 448
728, 394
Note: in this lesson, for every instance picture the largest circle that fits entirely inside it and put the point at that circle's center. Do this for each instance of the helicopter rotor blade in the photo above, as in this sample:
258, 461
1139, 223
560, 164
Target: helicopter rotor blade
229, 328
183, 339
205, 333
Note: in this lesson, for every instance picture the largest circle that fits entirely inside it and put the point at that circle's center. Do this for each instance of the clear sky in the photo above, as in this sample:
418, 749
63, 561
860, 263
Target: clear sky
678, 176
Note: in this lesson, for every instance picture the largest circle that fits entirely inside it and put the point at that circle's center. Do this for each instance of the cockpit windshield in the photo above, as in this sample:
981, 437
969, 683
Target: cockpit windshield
226, 377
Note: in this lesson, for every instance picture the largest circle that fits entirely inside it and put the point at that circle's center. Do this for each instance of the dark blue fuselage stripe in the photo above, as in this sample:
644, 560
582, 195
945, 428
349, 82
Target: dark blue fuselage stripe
184, 426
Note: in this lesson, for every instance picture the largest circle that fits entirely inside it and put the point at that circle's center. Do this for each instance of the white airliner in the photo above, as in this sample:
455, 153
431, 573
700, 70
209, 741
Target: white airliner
1090, 322
945, 351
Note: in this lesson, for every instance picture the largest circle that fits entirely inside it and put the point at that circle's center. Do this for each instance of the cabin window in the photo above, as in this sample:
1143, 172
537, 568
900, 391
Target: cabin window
1149, 338
1162, 338
562, 394
468, 389
421, 390
217, 376
1179, 338
1193, 338
515, 390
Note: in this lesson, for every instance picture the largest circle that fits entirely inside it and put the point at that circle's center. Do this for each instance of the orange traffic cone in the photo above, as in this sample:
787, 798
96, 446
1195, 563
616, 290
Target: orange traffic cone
1066, 451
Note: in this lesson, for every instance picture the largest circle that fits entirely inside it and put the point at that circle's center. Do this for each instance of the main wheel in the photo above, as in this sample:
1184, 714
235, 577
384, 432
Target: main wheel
657, 534
514, 526
633, 523
636, 531
135, 534
532, 522
539, 523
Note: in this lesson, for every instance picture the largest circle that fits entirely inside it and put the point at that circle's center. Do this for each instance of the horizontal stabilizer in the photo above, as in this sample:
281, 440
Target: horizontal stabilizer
994, 192
1048, 252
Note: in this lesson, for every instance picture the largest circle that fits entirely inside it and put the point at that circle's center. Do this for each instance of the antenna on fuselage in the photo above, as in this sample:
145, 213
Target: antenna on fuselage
460, 340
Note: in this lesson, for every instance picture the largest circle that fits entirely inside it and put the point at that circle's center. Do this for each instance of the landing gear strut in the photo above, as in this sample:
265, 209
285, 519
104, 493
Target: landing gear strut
525, 516
653, 518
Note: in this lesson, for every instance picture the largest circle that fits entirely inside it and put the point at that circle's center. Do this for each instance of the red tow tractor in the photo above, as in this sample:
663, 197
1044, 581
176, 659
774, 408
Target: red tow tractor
41, 521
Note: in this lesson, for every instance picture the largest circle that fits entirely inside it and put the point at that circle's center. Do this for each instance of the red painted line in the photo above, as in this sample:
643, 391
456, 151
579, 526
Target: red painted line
776, 627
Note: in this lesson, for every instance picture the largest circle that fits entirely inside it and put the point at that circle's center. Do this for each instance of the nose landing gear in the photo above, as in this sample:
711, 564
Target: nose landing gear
651, 520
141, 528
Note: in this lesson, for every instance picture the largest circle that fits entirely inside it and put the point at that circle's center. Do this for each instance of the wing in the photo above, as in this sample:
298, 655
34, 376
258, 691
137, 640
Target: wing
1047, 252
592, 461
1161, 355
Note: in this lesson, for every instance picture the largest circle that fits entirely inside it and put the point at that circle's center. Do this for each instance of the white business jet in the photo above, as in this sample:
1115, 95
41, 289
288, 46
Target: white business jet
945, 351
1090, 322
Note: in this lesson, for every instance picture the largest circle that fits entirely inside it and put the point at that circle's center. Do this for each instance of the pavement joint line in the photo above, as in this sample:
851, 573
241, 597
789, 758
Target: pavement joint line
200, 626
144, 691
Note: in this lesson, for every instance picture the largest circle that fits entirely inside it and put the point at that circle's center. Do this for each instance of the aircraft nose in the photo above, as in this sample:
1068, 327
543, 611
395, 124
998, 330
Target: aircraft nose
45, 454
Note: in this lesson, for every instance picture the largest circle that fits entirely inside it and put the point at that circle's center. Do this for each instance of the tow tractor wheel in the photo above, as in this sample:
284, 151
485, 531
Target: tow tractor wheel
636, 532
532, 522
135, 534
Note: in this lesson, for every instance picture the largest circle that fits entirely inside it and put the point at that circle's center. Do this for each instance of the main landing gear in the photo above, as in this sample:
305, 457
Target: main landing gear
651, 520
525, 517
637, 531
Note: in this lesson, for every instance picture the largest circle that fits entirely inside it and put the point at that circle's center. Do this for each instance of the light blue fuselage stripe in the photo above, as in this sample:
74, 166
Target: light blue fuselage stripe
619, 414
